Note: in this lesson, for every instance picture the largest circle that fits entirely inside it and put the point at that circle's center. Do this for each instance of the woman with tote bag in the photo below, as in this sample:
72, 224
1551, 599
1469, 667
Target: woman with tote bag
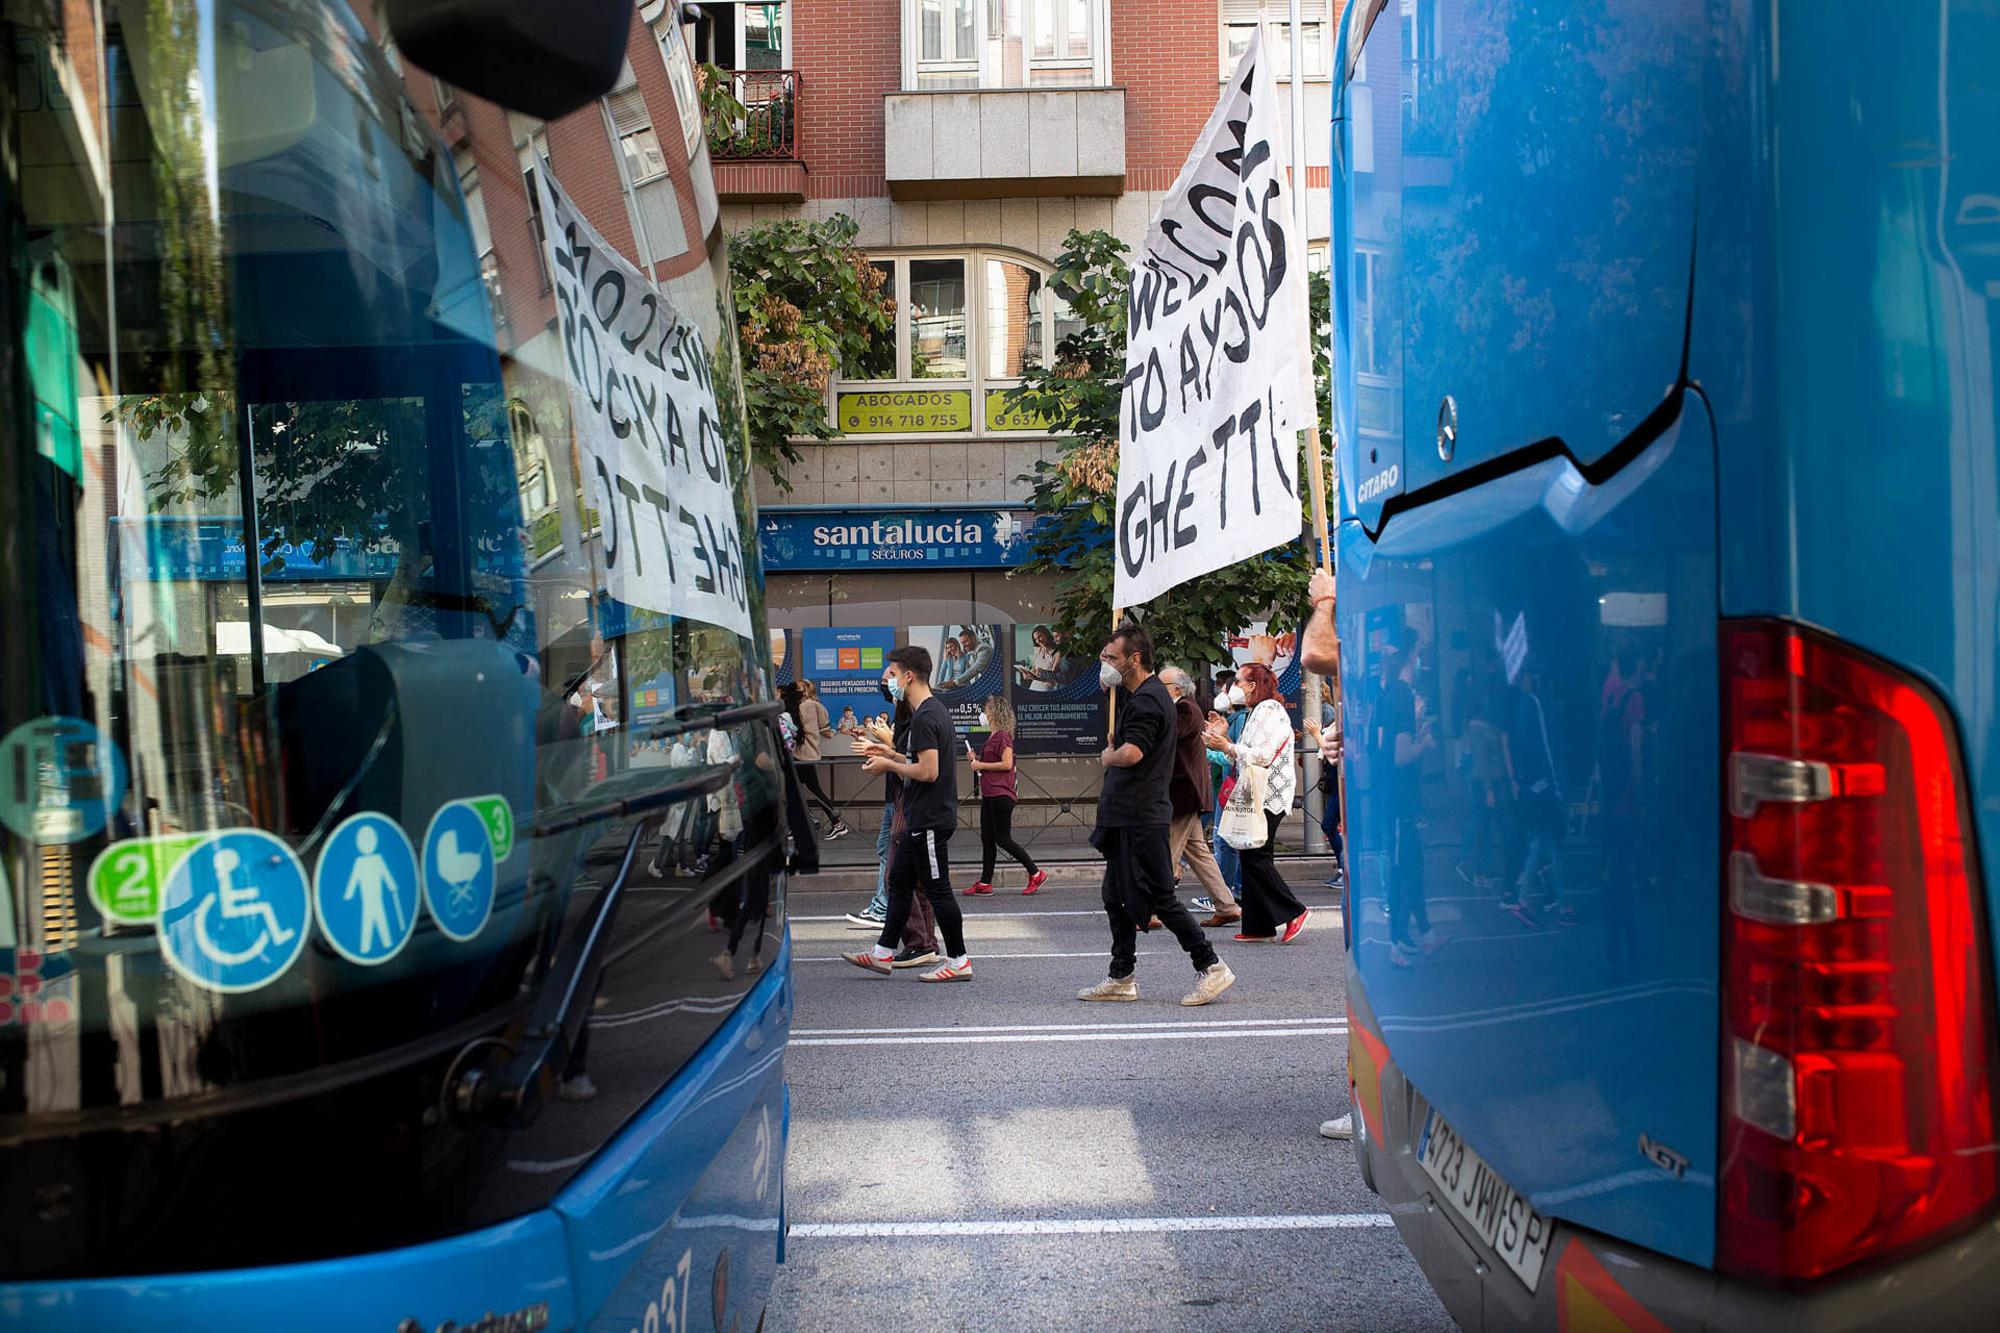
1271, 911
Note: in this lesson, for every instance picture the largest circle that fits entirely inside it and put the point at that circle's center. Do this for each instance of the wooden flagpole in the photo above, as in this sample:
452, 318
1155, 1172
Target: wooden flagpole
1310, 691
1111, 717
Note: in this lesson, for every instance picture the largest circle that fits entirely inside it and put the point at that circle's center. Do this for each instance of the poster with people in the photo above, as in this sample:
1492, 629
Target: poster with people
968, 666
1059, 707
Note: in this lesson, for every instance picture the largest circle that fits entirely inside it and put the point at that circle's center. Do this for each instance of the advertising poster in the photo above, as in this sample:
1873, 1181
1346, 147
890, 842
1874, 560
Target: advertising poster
846, 664
1059, 707
968, 666
1278, 650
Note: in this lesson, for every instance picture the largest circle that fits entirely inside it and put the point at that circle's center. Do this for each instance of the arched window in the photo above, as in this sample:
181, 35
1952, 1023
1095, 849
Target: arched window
969, 324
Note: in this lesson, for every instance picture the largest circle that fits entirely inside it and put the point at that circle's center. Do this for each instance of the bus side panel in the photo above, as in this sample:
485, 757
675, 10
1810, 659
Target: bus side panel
1847, 327
517, 1269
676, 1225
1572, 1045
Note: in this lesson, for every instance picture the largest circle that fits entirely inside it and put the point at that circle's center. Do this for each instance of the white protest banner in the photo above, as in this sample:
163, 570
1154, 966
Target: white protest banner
1217, 378
642, 399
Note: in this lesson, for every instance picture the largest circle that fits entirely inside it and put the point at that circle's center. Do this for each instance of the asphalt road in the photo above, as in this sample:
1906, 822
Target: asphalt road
997, 1155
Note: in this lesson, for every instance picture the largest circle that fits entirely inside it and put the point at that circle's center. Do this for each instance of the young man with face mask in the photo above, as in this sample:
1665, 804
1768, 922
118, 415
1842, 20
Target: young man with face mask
920, 933
928, 812
1134, 812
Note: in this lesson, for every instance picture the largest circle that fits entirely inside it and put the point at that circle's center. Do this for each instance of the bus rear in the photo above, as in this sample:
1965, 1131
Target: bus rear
1668, 578
393, 919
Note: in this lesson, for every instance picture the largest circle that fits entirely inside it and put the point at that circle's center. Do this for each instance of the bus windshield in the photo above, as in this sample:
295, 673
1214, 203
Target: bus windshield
322, 721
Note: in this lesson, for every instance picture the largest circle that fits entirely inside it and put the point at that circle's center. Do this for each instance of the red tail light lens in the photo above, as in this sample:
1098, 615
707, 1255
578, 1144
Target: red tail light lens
1857, 996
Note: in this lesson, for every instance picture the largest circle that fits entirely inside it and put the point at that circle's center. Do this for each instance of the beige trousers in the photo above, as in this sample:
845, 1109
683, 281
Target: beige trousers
1184, 838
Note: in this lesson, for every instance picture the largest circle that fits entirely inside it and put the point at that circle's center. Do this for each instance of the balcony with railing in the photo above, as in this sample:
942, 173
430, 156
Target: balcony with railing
751, 118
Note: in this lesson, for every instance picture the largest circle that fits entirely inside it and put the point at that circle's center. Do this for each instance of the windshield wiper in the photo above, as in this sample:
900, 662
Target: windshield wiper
512, 1095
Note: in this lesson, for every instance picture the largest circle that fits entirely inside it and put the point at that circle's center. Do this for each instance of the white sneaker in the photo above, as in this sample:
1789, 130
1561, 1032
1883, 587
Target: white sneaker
1111, 988
1214, 981
1340, 1127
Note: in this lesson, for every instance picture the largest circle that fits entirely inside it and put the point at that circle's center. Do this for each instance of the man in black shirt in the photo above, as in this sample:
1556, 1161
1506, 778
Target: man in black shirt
1134, 811
928, 812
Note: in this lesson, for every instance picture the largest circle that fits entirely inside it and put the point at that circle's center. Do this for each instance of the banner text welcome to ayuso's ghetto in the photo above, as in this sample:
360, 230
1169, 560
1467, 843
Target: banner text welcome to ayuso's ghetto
1217, 381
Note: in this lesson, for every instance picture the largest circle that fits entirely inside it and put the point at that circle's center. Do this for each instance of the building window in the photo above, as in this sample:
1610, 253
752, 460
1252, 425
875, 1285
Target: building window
975, 320
475, 203
1367, 351
680, 77
937, 319
1316, 257
882, 359
1424, 125
1005, 43
634, 127
1014, 332
1239, 23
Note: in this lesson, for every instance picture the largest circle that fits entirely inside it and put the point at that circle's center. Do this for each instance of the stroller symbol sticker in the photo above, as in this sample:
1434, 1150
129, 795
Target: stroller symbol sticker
365, 890
235, 911
458, 870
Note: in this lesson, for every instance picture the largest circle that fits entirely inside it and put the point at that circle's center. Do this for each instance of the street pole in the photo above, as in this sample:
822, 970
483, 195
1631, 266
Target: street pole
1315, 840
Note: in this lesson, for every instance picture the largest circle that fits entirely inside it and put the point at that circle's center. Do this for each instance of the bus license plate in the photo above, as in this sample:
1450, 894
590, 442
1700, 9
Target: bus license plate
1489, 1205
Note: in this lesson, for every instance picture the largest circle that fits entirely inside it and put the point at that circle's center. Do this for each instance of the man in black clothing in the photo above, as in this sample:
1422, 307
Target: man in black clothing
928, 812
1134, 811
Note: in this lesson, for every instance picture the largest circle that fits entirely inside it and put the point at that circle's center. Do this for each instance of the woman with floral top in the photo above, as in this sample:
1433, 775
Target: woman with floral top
1271, 911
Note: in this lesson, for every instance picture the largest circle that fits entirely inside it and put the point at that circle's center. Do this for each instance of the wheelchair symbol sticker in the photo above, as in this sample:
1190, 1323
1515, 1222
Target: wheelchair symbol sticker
365, 889
235, 912
458, 870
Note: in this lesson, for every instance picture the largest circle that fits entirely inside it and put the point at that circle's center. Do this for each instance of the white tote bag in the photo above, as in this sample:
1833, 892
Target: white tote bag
1242, 824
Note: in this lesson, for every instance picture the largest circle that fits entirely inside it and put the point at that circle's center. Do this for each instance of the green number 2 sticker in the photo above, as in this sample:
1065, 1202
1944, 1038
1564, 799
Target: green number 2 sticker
127, 878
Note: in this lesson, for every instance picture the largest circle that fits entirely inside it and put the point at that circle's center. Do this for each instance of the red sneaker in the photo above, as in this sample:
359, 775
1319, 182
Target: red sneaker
1294, 927
1255, 939
979, 888
1036, 880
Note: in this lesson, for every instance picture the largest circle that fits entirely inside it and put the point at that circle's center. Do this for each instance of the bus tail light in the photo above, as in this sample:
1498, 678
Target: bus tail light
1857, 1115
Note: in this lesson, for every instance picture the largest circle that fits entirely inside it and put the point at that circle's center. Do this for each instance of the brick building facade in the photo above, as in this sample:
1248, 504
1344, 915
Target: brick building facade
966, 138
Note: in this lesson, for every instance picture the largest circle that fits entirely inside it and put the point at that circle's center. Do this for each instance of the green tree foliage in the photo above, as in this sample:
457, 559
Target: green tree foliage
808, 304
1074, 496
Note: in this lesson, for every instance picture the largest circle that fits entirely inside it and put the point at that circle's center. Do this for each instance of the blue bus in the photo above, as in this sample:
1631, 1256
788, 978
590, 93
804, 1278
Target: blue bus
392, 920
1668, 338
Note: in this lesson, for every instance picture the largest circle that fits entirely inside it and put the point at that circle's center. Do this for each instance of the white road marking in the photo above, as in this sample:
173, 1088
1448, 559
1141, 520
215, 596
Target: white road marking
1076, 1027
1097, 912
1092, 1226
947, 1039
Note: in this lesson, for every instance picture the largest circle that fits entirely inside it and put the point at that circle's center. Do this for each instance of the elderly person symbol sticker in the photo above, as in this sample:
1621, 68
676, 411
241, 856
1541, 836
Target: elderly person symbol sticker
365, 889
458, 870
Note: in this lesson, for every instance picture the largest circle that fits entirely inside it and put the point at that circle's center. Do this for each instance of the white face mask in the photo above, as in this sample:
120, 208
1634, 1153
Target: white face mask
1108, 677
1237, 699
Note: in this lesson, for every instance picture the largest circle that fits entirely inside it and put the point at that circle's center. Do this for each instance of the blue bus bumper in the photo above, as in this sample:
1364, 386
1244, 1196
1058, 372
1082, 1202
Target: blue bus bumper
1594, 1281
676, 1224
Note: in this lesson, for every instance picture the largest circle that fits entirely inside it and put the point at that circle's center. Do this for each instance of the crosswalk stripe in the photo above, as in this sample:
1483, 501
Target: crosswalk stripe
1090, 1226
